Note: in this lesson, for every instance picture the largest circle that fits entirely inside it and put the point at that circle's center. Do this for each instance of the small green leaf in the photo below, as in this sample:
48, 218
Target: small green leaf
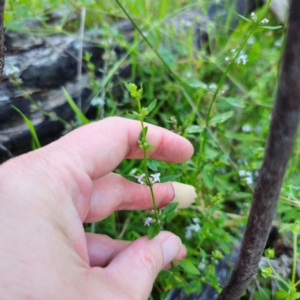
35, 140
130, 114
297, 295
153, 164
242, 17
170, 208
208, 176
153, 231
282, 294
188, 266
294, 227
130, 178
217, 254
221, 118
143, 133
151, 106
164, 274
202, 253
194, 129
271, 27
197, 84
169, 178
266, 272
270, 253
239, 136
145, 130
127, 85
75, 108
235, 102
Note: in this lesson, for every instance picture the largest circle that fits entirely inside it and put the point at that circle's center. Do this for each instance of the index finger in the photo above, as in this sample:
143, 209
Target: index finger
98, 148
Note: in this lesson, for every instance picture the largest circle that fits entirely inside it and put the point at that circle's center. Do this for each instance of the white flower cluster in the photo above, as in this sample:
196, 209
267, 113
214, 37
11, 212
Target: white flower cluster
264, 21
242, 58
253, 16
202, 265
147, 221
213, 86
192, 228
10, 70
140, 178
97, 101
155, 177
248, 176
246, 128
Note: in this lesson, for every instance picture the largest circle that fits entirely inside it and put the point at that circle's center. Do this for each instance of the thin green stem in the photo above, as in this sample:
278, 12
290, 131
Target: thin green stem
145, 161
278, 278
254, 27
149, 44
140, 109
150, 186
276, 275
294, 258
203, 144
297, 283
39, 108
147, 174
93, 228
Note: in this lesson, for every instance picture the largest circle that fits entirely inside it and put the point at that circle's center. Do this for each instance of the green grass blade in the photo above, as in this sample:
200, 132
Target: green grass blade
35, 140
75, 108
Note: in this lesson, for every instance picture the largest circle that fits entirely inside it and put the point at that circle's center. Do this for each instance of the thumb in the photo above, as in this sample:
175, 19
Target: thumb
134, 269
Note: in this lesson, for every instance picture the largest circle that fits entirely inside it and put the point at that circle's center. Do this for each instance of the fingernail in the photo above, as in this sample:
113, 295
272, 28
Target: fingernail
171, 247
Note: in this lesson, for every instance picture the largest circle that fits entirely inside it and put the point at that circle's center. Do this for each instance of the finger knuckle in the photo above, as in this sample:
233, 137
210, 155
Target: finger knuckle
143, 258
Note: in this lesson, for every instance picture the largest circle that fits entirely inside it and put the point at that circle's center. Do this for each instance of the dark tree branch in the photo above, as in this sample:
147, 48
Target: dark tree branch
283, 130
2, 4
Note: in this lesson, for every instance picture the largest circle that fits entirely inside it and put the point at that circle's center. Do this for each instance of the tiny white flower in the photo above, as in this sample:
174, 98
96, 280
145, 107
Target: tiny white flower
188, 234
196, 227
140, 178
253, 16
213, 86
242, 58
227, 58
264, 21
147, 221
155, 177
188, 23
247, 176
97, 101
251, 40
145, 33
202, 265
196, 220
189, 229
10, 70
233, 50
277, 43
246, 128
189, 74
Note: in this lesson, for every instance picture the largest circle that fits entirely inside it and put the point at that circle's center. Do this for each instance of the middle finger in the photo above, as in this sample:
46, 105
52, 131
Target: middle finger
113, 192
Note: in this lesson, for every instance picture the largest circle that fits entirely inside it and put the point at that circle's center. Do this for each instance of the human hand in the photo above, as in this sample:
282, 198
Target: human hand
47, 194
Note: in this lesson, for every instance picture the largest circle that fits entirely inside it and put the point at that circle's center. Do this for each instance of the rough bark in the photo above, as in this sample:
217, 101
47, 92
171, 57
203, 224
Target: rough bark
2, 5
